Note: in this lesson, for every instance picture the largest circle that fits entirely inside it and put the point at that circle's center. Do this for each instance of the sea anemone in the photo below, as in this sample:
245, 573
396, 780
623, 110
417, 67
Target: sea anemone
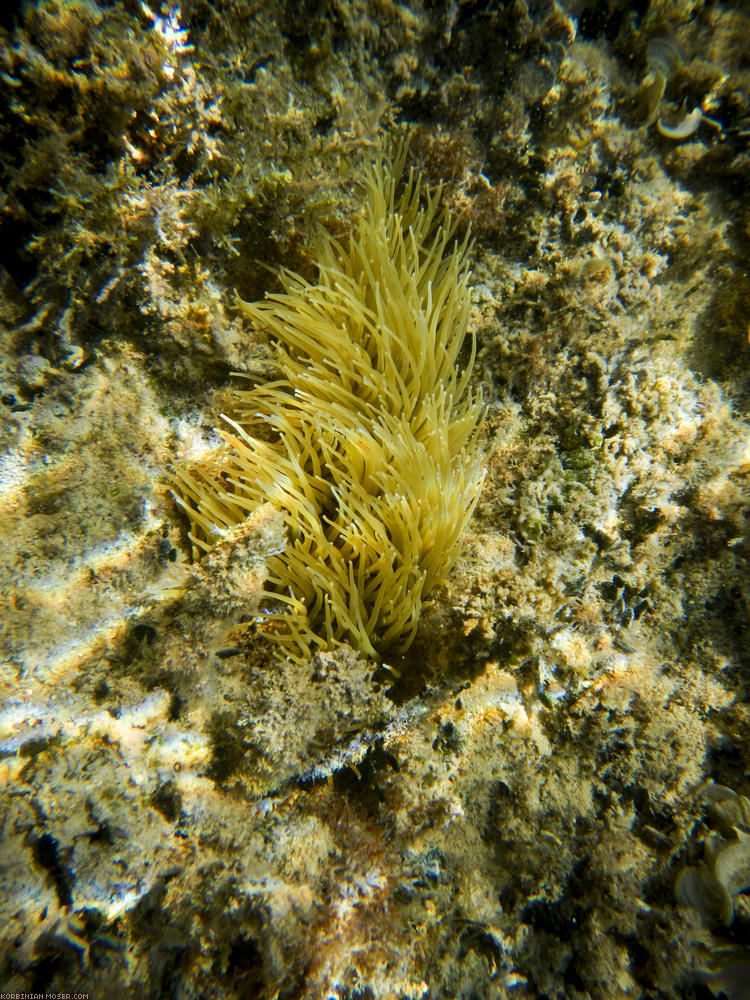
368, 440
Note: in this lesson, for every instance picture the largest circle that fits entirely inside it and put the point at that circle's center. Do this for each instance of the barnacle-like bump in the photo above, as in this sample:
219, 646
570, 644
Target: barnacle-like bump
368, 440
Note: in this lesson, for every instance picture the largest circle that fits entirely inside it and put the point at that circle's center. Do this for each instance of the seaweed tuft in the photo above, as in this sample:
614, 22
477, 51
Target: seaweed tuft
368, 440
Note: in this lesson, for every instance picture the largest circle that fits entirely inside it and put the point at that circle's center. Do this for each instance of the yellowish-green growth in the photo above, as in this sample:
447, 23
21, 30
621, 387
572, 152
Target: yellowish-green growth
368, 440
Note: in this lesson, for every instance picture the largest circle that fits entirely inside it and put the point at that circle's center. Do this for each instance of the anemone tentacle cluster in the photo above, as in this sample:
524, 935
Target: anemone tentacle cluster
368, 440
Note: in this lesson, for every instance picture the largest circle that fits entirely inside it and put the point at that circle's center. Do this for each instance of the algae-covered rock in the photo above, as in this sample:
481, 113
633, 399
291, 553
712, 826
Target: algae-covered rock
502, 809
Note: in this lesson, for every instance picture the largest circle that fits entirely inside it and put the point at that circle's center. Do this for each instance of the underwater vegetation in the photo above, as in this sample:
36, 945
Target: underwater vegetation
373, 452
509, 818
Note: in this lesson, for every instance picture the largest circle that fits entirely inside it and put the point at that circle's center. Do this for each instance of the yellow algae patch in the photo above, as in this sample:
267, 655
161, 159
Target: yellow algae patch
367, 441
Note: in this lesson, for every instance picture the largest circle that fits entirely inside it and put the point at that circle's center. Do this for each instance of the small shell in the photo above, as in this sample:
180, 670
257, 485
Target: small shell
732, 865
683, 128
663, 56
727, 806
700, 889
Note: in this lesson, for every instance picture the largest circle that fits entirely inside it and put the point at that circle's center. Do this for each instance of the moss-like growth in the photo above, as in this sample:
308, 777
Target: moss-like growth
373, 451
